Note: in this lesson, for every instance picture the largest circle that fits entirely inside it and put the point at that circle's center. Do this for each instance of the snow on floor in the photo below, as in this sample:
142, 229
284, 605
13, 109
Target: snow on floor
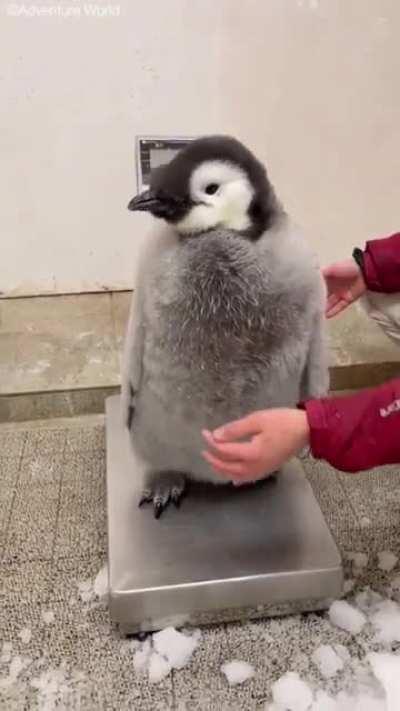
375, 679
328, 661
347, 617
385, 618
17, 665
386, 668
141, 657
57, 689
93, 591
290, 693
368, 684
164, 651
158, 669
387, 561
359, 561
348, 585
100, 585
237, 672
175, 647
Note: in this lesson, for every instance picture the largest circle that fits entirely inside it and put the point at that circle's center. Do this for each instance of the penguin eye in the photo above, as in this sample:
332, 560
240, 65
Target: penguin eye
211, 188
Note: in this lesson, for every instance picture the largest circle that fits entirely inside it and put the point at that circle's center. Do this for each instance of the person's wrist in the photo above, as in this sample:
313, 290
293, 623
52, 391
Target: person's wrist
302, 428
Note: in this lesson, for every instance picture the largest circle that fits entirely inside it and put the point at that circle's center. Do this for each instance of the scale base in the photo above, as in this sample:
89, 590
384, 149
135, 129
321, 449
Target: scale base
227, 554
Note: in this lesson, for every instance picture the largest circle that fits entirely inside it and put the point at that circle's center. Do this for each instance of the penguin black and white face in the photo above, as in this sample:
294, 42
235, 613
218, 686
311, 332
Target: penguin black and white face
213, 182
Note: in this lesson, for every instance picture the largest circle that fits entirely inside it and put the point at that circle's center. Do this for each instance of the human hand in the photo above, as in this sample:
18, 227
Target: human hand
273, 436
345, 284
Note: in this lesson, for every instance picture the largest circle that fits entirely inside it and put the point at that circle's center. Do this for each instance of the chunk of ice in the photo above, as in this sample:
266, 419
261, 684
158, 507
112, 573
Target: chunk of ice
237, 672
142, 656
85, 590
368, 600
327, 660
177, 648
343, 652
100, 585
386, 668
55, 689
361, 701
393, 589
324, 702
17, 664
387, 561
346, 617
386, 620
359, 561
348, 586
292, 693
159, 668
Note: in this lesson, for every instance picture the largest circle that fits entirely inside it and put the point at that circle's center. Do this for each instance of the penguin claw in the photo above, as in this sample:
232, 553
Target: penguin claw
158, 508
145, 498
177, 495
176, 500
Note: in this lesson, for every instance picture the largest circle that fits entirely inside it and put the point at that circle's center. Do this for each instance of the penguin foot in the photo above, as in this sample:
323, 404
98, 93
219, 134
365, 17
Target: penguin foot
162, 489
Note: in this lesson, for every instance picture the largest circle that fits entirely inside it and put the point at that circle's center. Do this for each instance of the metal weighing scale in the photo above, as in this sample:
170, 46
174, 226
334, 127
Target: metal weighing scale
228, 553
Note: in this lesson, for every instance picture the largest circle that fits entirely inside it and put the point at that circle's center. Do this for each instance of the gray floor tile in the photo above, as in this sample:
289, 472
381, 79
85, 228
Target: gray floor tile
11, 449
81, 524
200, 685
85, 454
42, 462
32, 527
68, 573
335, 504
374, 494
28, 582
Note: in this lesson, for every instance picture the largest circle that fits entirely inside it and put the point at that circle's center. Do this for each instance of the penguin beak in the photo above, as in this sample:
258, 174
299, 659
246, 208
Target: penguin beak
147, 201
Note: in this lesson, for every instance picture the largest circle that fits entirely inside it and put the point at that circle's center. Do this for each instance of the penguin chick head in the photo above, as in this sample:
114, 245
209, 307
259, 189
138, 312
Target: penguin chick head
214, 182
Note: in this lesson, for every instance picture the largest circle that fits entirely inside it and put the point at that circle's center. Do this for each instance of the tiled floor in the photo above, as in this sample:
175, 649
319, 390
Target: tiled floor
52, 524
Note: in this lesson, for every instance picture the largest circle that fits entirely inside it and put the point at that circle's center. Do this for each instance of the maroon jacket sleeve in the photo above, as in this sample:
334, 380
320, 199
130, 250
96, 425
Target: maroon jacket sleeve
357, 432
381, 264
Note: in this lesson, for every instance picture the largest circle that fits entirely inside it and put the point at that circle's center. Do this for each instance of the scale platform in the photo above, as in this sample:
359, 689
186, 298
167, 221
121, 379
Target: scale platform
228, 553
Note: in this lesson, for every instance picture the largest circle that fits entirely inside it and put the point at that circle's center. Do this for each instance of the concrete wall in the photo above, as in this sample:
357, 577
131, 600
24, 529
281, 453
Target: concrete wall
311, 85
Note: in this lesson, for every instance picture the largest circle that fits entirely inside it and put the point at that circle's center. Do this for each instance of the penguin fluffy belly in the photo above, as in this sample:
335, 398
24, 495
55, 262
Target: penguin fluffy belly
227, 316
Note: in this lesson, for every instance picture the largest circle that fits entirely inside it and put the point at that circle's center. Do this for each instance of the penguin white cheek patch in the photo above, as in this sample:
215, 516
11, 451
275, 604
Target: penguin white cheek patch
200, 218
227, 207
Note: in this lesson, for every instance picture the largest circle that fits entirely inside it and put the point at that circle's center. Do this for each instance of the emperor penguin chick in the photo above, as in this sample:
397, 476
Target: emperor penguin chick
227, 316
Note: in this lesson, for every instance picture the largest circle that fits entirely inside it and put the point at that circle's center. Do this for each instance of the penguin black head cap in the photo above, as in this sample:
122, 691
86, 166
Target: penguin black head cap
215, 181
